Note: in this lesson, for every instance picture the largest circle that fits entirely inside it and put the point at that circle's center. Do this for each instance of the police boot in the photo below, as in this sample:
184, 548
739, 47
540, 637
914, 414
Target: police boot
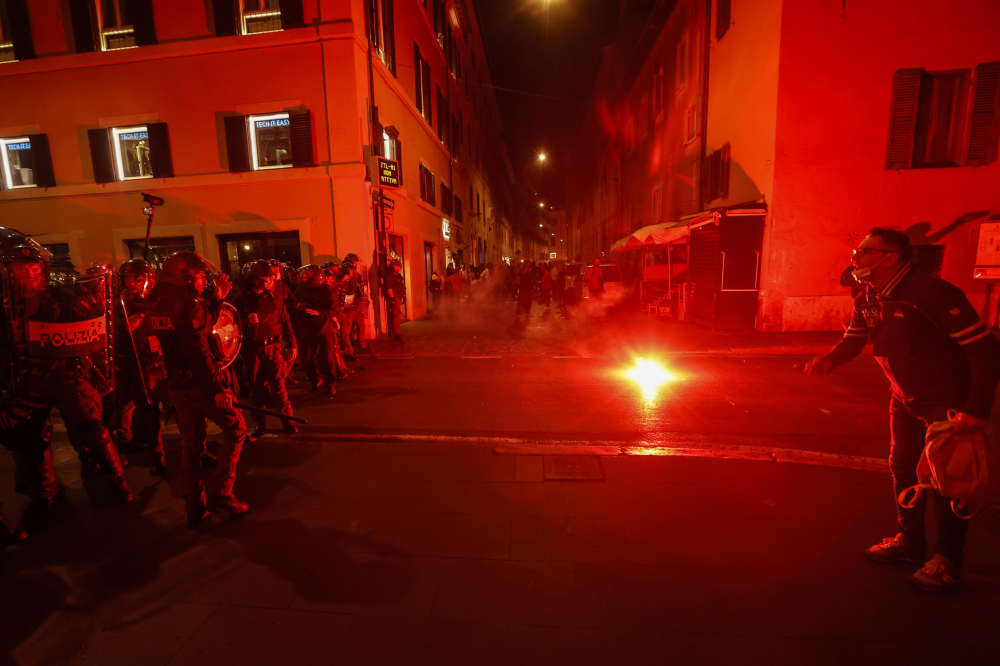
229, 504
157, 467
107, 457
9, 532
257, 431
289, 427
196, 512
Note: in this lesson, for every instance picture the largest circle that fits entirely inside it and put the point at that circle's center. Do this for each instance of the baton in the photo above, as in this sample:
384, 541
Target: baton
268, 412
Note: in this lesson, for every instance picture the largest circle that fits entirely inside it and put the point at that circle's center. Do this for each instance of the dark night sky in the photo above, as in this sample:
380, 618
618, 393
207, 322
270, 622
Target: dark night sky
550, 49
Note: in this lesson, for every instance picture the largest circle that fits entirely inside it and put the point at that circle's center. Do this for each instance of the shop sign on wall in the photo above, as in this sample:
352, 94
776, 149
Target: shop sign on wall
988, 252
388, 172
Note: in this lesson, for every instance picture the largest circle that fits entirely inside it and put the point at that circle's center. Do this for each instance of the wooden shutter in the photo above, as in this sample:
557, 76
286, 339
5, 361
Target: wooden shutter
724, 170
302, 138
292, 15
236, 143
41, 159
903, 118
389, 26
83, 25
224, 13
431, 195
418, 95
141, 15
425, 76
724, 18
100, 155
159, 150
423, 183
20, 29
985, 126
398, 145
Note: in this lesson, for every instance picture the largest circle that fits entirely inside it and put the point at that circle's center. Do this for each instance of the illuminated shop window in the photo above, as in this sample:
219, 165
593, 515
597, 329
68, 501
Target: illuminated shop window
388, 146
18, 163
116, 25
260, 16
270, 141
131, 146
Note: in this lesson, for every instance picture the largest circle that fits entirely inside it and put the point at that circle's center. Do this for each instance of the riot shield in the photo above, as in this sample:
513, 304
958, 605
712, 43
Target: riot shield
146, 356
55, 329
228, 333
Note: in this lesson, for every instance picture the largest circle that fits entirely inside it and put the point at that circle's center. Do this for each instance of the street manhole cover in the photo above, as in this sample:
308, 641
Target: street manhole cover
572, 468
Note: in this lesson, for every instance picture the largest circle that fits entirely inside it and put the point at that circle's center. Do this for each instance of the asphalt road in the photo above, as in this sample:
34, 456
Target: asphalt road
725, 399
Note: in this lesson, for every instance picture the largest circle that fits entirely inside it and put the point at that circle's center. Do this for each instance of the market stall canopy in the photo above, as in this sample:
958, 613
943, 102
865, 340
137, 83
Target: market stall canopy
655, 234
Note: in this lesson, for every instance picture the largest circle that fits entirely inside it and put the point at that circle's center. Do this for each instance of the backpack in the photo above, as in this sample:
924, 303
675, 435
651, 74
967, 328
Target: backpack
963, 467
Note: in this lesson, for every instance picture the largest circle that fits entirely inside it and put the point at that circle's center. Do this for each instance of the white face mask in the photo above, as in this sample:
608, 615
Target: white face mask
864, 275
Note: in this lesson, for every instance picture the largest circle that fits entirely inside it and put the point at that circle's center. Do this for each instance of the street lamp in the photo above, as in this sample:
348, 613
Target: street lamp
541, 157
541, 205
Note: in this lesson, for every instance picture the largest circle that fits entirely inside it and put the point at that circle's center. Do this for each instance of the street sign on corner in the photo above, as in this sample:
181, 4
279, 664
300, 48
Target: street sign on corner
388, 172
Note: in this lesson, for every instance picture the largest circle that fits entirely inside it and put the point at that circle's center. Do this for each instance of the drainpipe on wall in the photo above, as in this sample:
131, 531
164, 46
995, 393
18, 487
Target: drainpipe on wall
377, 208
706, 60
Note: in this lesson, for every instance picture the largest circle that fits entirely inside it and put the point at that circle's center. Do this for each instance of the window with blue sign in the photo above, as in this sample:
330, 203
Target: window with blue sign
18, 163
131, 146
270, 141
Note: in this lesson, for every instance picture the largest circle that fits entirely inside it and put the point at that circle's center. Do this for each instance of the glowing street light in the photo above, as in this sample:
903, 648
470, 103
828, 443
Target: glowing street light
541, 205
541, 157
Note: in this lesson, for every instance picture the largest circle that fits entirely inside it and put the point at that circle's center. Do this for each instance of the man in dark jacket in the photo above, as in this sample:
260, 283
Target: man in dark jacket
939, 356
267, 326
316, 329
198, 385
395, 296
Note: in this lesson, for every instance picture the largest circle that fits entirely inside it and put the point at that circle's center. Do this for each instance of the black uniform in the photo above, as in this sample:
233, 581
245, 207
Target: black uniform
316, 333
142, 377
394, 281
938, 355
182, 322
267, 367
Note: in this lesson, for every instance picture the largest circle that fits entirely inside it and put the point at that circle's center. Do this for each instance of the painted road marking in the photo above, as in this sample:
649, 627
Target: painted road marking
482, 357
540, 447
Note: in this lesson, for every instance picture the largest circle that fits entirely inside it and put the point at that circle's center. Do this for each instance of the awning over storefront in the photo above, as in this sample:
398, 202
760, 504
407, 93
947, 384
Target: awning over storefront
655, 234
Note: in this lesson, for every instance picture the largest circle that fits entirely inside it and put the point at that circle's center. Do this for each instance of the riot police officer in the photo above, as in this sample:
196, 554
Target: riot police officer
198, 383
395, 295
349, 310
267, 326
63, 355
317, 326
142, 373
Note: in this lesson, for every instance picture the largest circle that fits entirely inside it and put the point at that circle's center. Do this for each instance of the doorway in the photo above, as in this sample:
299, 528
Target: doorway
235, 250
428, 270
396, 252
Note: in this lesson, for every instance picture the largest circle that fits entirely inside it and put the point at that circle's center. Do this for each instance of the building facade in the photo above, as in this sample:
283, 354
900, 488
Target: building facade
831, 118
256, 122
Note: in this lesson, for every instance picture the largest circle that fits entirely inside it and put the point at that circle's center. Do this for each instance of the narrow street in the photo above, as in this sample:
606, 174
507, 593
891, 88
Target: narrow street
495, 508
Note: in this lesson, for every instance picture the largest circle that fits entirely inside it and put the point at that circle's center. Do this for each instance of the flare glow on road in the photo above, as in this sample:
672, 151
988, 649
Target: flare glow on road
650, 376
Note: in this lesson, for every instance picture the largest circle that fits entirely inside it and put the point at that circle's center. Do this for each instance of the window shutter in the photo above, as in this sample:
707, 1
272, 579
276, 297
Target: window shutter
985, 132
224, 12
425, 75
389, 25
100, 155
292, 15
236, 143
83, 25
399, 158
20, 29
903, 118
423, 183
418, 95
431, 198
159, 150
141, 15
724, 171
724, 18
42, 160
302, 138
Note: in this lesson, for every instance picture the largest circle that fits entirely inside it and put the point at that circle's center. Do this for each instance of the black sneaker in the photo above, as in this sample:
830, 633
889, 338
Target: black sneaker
892, 549
229, 504
289, 427
11, 533
258, 431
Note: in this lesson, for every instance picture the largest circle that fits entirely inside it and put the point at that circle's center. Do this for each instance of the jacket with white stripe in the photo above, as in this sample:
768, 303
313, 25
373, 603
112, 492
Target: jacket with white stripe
932, 344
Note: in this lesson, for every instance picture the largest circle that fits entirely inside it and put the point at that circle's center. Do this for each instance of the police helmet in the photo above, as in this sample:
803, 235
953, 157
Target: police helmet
10, 238
180, 267
290, 273
346, 267
310, 272
27, 253
353, 258
99, 268
395, 262
136, 266
256, 273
